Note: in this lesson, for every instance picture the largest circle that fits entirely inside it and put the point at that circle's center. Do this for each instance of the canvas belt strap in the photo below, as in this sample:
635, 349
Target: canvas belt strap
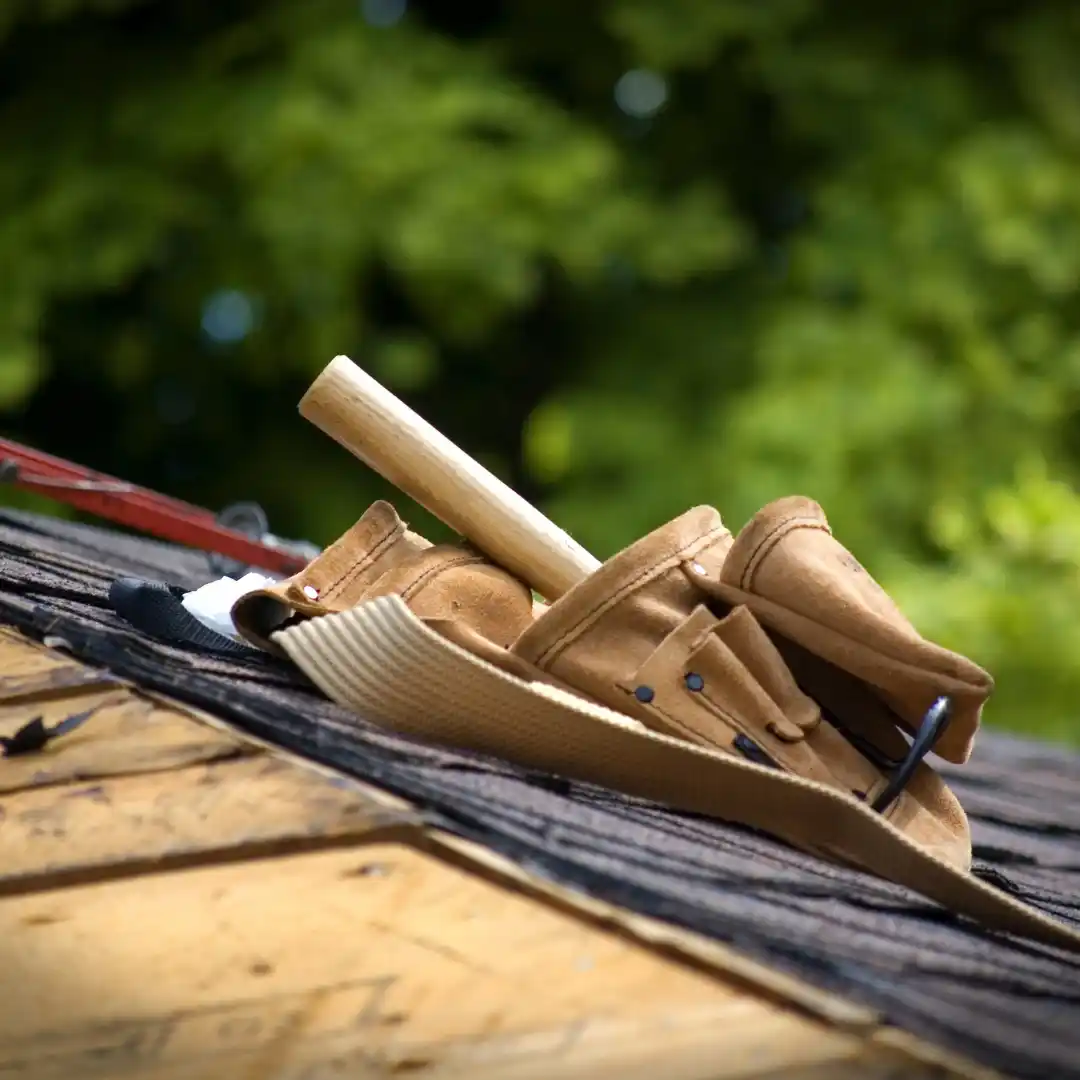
381, 660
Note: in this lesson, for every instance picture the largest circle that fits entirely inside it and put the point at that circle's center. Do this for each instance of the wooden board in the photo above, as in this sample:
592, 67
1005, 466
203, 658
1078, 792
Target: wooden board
124, 825
127, 734
224, 912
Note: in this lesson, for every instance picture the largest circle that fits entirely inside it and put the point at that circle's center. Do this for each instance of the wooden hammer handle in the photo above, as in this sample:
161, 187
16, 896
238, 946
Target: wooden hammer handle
384, 433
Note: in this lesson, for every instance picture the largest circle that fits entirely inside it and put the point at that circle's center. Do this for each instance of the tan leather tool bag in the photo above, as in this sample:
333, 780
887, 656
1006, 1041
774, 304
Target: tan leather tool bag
654, 634
380, 556
691, 669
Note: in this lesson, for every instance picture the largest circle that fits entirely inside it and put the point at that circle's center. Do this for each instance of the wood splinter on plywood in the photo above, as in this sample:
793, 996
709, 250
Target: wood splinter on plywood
34, 736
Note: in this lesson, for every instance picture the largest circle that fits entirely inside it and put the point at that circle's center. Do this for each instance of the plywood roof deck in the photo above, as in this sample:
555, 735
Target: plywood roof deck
180, 901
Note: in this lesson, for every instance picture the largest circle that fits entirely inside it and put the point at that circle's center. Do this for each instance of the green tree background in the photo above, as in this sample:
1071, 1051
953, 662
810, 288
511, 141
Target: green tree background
633, 255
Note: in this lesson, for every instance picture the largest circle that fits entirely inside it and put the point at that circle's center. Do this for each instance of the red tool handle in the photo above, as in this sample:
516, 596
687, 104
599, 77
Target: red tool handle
139, 508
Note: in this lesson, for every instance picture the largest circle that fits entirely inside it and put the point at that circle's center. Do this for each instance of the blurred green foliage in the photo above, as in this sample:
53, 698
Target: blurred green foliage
633, 255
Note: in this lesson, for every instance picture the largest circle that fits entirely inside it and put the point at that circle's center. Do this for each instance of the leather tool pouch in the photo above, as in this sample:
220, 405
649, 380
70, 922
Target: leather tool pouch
379, 556
656, 635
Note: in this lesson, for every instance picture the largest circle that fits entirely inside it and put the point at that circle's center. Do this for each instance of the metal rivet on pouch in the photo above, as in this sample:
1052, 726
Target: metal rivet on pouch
311, 592
644, 694
694, 681
698, 569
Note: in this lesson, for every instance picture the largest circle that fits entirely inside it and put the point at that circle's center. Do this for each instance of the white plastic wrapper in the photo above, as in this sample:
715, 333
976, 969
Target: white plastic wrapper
212, 603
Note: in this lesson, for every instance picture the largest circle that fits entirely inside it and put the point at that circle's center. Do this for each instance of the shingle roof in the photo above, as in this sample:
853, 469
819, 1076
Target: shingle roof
1009, 1004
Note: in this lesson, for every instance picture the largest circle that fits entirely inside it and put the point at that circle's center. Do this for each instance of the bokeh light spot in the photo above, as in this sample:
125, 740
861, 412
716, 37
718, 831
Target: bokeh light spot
641, 93
228, 316
383, 13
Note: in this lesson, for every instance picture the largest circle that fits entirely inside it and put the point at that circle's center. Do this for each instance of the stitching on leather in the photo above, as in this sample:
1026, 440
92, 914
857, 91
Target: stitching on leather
749, 599
764, 644
672, 643
433, 571
945, 682
364, 560
685, 728
678, 657
725, 717
802, 522
567, 637
770, 540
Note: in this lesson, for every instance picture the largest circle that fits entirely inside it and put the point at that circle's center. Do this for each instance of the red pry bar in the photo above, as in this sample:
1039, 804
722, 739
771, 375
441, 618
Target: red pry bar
138, 508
